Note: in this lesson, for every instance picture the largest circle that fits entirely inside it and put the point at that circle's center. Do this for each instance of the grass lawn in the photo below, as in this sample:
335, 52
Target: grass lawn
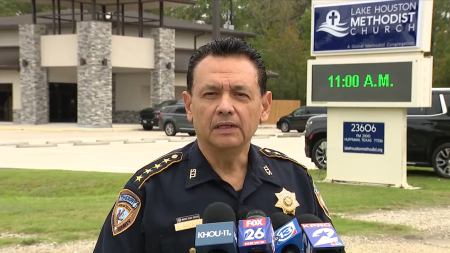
59, 206
341, 198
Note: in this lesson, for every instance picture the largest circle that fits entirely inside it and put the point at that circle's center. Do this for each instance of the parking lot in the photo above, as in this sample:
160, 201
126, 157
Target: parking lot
121, 151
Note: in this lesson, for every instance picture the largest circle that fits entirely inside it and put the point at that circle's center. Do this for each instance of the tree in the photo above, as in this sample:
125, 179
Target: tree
12, 8
202, 11
440, 43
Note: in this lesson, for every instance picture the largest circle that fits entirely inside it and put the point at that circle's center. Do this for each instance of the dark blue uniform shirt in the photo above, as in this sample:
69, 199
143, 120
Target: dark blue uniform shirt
179, 186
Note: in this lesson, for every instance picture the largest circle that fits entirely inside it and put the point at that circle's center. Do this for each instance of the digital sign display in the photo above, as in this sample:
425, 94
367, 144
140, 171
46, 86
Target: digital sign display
362, 82
366, 25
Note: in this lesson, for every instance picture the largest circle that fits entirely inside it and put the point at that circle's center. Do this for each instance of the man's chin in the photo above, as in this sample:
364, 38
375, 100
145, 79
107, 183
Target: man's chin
224, 142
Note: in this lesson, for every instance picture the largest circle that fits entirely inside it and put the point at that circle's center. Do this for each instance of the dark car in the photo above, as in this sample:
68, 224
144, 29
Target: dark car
296, 120
173, 120
428, 135
149, 117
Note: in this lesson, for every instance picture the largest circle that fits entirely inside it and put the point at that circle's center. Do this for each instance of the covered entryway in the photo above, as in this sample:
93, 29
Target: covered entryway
5, 102
63, 102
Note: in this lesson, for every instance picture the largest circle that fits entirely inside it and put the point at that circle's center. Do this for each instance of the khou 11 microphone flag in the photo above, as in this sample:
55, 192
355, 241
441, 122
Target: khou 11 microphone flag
218, 233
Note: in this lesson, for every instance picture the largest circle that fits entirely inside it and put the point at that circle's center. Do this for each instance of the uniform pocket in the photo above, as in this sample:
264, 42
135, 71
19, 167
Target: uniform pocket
178, 241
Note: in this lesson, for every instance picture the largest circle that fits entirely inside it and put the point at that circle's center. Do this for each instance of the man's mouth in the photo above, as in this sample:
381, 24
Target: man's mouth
226, 125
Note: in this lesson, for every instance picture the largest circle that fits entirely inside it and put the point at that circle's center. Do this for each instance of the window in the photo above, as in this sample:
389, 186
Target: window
167, 109
299, 112
436, 106
416, 111
316, 110
181, 110
447, 100
166, 103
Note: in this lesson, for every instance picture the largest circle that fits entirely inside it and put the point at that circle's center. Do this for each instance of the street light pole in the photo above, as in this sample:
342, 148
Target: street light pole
215, 19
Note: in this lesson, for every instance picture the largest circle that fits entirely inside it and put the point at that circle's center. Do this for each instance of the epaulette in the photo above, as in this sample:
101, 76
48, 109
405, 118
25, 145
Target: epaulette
275, 154
155, 167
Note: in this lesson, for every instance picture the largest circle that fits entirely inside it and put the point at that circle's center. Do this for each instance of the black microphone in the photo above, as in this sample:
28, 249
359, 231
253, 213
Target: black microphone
217, 234
253, 214
279, 219
319, 236
288, 234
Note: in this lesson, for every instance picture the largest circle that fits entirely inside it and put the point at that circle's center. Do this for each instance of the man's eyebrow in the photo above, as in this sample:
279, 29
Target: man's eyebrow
239, 87
212, 87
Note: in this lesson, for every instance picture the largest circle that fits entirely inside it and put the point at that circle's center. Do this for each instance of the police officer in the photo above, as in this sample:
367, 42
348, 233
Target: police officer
226, 98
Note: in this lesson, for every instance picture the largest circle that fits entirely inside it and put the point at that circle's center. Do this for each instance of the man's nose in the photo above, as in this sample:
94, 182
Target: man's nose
225, 105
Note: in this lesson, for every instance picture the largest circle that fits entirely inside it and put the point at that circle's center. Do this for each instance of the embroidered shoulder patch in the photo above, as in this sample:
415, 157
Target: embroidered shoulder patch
155, 167
321, 202
275, 154
125, 211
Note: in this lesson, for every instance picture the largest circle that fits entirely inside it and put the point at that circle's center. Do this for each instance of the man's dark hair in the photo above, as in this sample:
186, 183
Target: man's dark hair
228, 47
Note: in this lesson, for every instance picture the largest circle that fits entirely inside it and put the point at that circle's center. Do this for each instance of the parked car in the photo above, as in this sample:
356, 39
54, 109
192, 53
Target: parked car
173, 120
149, 117
428, 135
296, 120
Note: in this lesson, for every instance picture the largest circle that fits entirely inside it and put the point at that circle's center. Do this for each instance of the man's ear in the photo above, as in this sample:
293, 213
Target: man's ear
188, 101
266, 104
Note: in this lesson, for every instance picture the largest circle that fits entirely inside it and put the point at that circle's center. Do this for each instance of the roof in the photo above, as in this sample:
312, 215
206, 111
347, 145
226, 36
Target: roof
111, 4
150, 19
10, 60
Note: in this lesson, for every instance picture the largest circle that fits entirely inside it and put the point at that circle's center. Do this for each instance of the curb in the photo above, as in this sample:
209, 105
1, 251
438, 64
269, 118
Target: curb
90, 143
138, 142
262, 136
156, 139
128, 141
112, 140
71, 130
13, 144
183, 139
36, 145
289, 135
63, 142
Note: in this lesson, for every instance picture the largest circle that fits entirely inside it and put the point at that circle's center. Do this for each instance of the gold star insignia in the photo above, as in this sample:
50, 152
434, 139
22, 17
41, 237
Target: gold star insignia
138, 178
166, 160
157, 166
287, 201
148, 171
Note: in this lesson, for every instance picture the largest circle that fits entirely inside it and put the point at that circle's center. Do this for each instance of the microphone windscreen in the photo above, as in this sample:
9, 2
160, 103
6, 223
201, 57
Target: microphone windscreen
253, 214
218, 212
308, 218
279, 219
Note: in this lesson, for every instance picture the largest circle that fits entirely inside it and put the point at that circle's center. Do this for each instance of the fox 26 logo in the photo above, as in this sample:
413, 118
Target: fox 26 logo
252, 234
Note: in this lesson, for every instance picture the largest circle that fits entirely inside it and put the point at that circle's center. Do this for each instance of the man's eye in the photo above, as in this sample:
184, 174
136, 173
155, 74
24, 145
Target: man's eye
242, 95
210, 94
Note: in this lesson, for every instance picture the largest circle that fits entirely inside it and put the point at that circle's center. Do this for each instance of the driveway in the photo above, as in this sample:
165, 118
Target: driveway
124, 151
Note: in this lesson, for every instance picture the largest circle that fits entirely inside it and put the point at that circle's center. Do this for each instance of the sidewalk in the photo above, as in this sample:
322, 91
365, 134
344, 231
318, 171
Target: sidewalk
69, 134
72, 127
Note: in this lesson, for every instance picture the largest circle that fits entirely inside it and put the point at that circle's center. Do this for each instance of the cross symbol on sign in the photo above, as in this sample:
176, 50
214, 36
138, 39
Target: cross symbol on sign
332, 17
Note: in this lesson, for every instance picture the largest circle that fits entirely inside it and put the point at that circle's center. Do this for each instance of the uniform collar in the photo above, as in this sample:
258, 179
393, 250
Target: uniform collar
200, 171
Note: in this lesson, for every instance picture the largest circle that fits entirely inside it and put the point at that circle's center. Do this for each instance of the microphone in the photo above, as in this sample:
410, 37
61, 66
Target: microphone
288, 234
217, 234
319, 237
256, 233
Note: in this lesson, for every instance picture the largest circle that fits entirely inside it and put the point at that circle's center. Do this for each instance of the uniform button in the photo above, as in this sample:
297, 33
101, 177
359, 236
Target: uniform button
192, 250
